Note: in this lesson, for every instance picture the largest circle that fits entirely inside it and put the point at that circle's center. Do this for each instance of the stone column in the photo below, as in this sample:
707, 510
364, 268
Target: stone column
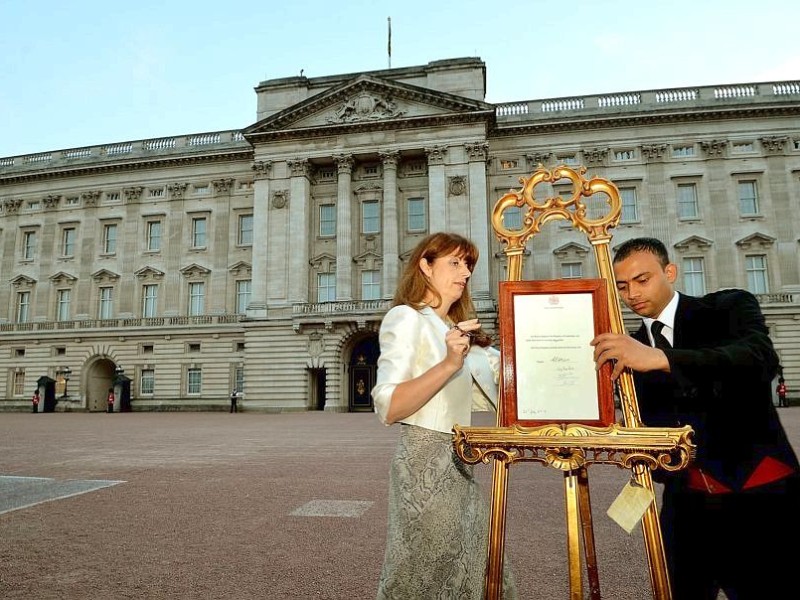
258, 292
344, 236
299, 201
478, 154
391, 250
437, 218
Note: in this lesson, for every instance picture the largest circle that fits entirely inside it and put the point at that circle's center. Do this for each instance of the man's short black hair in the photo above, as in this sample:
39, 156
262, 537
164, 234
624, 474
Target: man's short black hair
643, 244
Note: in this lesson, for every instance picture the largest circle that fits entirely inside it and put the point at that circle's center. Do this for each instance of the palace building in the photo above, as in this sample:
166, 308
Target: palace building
178, 269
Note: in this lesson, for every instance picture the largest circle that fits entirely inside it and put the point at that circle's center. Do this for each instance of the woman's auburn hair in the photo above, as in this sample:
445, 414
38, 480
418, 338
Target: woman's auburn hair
414, 286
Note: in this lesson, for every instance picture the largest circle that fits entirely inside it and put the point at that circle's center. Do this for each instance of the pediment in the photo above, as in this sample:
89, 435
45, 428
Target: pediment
22, 281
571, 249
61, 277
325, 262
693, 242
757, 239
149, 272
367, 101
369, 259
195, 270
240, 268
104, 275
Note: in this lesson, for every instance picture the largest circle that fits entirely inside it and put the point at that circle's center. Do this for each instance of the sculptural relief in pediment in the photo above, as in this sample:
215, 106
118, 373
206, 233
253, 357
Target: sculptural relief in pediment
366, 106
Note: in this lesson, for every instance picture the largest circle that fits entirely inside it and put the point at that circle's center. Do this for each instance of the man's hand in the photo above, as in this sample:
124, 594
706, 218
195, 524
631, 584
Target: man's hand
624, 352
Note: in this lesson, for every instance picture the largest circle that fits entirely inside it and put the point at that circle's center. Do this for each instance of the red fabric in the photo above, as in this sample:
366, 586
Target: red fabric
698, 480
767, 471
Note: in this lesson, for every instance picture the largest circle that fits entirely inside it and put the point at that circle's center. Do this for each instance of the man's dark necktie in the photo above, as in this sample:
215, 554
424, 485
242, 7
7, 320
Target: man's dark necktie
659, 340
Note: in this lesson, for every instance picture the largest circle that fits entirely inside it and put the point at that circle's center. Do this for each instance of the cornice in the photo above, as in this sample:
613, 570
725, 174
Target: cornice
485, 116
586, 122
127, 165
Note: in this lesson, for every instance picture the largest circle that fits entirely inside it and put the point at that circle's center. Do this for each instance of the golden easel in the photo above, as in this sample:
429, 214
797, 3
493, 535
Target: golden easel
572, 447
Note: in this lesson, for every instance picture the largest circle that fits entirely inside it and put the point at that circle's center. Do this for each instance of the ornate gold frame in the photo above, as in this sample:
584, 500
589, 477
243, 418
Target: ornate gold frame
569, 447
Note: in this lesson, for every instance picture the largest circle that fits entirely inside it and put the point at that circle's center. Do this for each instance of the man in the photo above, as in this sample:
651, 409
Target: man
234, 398
727, 518
781, 390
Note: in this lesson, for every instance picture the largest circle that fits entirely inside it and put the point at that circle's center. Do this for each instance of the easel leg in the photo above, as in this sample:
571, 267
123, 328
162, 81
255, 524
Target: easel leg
573, 535
653, 542
497, 531
585, 505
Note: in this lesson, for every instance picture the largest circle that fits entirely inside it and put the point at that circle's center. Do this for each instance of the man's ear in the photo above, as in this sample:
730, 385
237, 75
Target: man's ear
672, 272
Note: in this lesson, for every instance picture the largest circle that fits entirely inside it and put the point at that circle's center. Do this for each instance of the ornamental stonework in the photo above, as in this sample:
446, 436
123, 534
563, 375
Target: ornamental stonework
177, 190
366, 106
280, 198
133, 193
262, 169
457, 185
596, 156
538, 159
51, 201
773, 144
714, 148
653, 151
90, 198
436, 154
222, 186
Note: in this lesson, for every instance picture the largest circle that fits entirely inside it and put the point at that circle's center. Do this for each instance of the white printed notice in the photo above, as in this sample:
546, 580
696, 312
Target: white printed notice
556, 377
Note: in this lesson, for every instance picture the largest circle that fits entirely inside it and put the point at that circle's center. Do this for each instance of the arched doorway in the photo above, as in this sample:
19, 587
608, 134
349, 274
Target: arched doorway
99, 378
363, 366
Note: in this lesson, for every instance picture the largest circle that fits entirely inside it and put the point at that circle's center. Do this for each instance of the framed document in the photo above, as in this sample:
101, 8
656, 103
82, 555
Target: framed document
548, 367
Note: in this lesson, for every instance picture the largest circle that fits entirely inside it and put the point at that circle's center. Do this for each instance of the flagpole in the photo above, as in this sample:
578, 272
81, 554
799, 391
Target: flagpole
389, 46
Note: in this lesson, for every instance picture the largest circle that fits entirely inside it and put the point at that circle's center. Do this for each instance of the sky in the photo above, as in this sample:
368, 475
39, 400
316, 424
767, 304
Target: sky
85, 72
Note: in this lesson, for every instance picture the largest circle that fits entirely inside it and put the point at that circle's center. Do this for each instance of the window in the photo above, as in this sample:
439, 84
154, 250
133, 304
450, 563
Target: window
243, 289
624, 154
110, 238
370, 217
194, 347
238, 377
147, 382
507, 165
62, 305
694, 276
197, 298
68, 241
149, 300
194, 380
743, 147
748, 198
370, 285
19, 383
567, 159
681, 151
416, 214
756, 267
153, 236
512, 218
571, 270
687, 201
326, 287
245, 236
630, 211
199, 232
106, 303
327, 220
23, 306
29, 245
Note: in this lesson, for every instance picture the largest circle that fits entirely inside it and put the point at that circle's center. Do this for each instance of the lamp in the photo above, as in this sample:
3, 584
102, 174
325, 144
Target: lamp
65, 373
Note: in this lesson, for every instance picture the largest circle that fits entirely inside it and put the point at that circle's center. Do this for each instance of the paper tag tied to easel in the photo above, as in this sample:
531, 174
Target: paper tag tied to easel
631, 504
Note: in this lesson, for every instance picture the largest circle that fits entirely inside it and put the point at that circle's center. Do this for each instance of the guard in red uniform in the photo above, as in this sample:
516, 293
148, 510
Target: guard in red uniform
35, 400
111, 400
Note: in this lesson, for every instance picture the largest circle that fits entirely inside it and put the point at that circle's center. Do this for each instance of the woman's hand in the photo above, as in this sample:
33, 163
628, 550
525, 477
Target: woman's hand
458, 340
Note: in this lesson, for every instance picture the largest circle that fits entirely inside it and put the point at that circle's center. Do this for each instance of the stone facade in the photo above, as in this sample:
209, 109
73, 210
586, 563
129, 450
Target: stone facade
174, 270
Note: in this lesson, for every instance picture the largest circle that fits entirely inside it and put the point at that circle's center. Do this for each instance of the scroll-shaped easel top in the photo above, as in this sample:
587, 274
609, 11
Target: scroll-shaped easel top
573, 209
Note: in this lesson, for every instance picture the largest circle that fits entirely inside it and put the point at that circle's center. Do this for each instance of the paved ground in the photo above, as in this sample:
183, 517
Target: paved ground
214, 505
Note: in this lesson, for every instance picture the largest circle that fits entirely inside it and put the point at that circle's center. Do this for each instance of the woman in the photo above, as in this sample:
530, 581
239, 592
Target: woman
435, 367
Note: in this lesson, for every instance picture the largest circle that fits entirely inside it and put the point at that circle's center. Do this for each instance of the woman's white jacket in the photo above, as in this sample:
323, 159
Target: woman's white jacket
411, 342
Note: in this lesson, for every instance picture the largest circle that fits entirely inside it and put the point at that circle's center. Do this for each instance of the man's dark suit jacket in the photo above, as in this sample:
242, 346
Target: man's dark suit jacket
722, 366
